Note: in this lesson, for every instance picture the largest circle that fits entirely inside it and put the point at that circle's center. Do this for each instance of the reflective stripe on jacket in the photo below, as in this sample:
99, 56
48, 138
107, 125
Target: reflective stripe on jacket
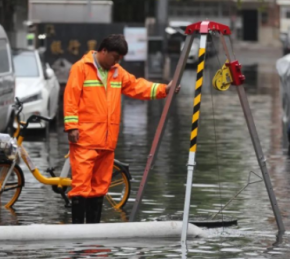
94, 110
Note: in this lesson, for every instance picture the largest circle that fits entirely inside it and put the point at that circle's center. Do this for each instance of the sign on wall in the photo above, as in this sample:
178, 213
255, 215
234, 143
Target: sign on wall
137, 43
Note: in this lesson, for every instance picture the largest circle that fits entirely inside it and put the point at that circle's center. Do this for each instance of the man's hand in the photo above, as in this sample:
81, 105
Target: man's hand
73, 135
168, 88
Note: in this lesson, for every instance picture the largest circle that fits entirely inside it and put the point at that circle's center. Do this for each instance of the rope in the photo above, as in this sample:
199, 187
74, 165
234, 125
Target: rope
215, 134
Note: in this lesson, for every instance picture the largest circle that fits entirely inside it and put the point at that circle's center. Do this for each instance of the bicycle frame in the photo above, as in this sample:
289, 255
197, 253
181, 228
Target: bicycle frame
8, 174
61, 181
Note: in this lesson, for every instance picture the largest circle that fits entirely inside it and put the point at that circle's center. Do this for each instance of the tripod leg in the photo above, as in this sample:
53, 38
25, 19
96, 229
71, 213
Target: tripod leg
260, 156
193, 136
160, 129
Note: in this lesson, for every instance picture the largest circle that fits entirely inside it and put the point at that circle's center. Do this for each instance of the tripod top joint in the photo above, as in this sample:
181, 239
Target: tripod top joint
207, 26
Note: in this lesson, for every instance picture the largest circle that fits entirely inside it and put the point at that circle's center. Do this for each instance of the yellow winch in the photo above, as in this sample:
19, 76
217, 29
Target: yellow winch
222, 79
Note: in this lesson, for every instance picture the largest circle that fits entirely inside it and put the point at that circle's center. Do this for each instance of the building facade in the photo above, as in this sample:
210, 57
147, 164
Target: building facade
252, 20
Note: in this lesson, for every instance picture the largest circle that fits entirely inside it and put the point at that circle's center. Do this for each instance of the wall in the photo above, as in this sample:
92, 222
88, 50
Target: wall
194, 11
71, 11
269, 36
67, 43
18, 35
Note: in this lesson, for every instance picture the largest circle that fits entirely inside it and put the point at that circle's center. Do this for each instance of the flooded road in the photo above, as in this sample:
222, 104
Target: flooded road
225, 159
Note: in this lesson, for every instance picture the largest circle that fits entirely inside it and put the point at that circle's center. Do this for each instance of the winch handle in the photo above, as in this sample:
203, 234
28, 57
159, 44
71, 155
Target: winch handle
235, 66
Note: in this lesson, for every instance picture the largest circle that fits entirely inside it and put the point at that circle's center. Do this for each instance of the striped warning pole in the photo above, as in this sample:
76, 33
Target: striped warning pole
193, 137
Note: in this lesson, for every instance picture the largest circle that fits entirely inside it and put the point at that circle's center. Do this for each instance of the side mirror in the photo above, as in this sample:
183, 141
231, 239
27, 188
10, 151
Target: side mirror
49, 72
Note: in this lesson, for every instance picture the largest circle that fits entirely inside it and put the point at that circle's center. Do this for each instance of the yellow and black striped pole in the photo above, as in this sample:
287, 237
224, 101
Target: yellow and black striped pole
197, 99
193, 135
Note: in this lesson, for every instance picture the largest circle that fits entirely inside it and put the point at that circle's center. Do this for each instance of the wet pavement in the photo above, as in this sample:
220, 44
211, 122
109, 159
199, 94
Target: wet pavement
225, 158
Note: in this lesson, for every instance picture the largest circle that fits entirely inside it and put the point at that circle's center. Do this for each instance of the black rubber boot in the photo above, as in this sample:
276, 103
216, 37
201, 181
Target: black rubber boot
94, 209
78, 206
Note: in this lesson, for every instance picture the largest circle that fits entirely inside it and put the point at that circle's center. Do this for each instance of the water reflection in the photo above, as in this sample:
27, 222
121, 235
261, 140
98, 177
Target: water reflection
219, 244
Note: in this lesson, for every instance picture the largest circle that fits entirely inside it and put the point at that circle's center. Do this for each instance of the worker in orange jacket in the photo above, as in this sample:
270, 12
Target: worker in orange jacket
92, 110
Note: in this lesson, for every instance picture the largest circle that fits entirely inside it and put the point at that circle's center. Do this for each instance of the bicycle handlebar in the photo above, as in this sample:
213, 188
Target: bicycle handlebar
33, 118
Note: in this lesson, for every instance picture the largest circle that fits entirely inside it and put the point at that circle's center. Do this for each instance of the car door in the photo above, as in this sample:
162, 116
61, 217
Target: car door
7, 83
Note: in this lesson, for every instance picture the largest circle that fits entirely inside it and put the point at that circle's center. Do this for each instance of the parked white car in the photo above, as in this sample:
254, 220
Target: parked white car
193, 53
36, 86
178, 28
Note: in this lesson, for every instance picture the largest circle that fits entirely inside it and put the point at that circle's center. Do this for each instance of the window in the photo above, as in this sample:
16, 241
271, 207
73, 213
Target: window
171, 12
180, 12
215, 12
207, 12
4, 60
225, 12
25, 64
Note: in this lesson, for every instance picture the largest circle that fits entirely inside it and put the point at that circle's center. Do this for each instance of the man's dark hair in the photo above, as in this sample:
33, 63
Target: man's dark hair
115, 42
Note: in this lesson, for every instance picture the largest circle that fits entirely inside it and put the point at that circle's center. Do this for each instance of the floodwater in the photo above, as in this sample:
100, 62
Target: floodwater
225, 161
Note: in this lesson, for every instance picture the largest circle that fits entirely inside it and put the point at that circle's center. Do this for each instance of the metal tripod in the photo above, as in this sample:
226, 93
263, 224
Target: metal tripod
204, 28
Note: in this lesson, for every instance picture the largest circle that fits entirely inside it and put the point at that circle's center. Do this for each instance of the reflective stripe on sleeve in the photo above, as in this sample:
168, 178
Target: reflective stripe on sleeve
153, 93
71, 119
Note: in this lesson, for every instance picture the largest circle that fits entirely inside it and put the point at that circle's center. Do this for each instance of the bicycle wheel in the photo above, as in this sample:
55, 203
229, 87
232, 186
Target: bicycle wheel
119, 190
14, 184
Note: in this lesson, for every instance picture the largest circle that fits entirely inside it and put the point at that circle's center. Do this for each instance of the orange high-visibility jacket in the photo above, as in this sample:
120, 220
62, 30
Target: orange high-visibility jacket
95, 110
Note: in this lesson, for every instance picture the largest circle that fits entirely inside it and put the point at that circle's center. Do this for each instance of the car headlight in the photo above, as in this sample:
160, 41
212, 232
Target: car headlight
32, 98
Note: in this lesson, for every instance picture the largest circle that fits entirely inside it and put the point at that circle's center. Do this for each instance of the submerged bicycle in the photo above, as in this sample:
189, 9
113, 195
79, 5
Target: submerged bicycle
12, 177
